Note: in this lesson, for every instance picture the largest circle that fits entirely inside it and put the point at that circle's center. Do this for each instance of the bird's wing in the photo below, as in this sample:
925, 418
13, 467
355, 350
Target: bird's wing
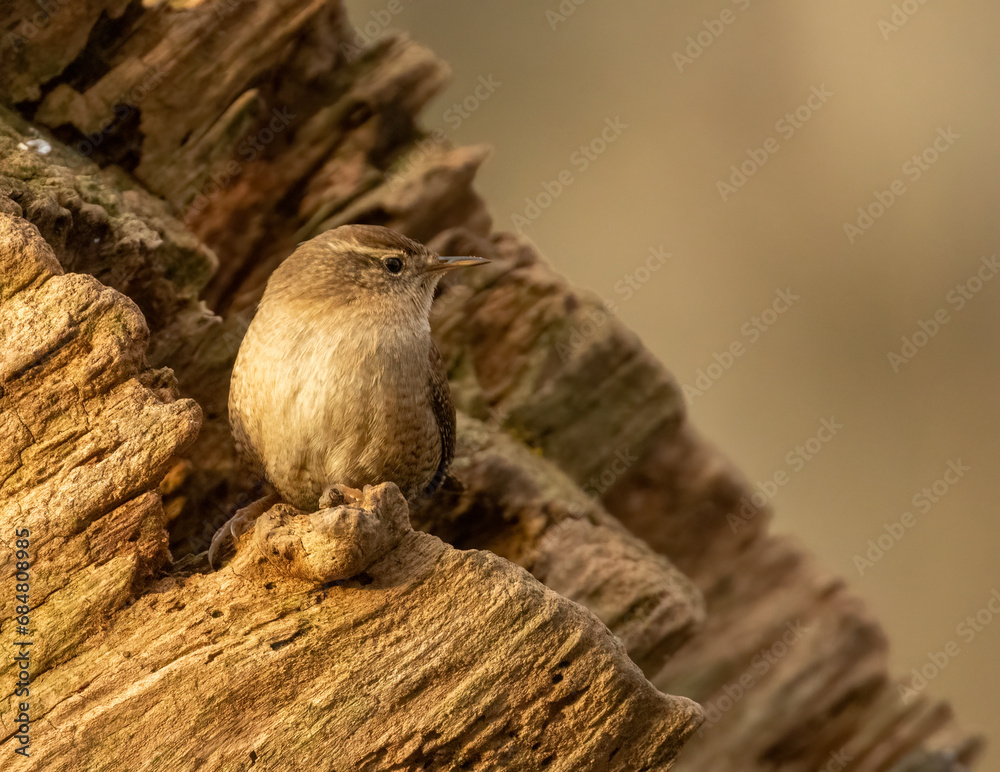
245, 449
444, 413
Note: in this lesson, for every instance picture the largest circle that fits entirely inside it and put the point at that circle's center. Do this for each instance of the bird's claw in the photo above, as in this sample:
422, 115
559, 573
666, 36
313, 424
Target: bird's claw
338, 494
239, 524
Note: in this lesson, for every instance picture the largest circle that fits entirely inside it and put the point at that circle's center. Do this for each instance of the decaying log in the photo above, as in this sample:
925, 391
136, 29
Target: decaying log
790, 667
428, 657
523, 508
299, 134
254, 125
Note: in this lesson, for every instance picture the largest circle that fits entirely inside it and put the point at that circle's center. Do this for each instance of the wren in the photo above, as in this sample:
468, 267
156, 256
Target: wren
337, 383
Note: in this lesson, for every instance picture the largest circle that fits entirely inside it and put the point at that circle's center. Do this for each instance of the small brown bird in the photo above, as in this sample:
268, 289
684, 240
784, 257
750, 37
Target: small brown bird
338, 383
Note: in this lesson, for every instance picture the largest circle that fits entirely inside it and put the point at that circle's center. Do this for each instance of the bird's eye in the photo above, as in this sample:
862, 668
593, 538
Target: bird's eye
393, 264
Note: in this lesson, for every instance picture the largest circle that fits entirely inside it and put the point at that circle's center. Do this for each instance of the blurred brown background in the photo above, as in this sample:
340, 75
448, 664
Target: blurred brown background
868, 86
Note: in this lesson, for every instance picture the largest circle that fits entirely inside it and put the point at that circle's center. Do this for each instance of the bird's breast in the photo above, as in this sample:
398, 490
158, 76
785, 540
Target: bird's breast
348, 403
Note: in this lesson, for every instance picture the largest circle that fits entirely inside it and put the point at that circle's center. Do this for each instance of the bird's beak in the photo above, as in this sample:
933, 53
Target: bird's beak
447, 263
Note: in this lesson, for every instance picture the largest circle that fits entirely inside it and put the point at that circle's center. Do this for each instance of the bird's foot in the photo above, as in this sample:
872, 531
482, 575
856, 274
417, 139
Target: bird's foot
337, 495
239, 524
337, 542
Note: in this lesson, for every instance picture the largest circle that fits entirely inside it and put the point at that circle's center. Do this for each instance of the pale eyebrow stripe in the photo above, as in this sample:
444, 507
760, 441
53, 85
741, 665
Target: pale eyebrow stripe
376, 252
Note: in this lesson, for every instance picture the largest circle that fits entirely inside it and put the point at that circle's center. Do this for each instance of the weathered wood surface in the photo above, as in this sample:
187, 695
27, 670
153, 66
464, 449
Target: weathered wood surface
790, 667
561, 401
262, 126
431, 658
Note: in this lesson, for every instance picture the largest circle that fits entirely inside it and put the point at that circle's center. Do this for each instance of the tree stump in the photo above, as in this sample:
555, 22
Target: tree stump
156, 163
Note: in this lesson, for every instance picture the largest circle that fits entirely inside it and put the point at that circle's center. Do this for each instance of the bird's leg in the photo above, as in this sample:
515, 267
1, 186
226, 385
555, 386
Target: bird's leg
337, 494
240, 523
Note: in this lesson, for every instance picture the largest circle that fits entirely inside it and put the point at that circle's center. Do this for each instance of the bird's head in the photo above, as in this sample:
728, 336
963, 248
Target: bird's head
365, 266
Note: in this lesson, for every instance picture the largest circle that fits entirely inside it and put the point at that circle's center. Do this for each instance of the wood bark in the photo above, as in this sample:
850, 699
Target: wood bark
156, 163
